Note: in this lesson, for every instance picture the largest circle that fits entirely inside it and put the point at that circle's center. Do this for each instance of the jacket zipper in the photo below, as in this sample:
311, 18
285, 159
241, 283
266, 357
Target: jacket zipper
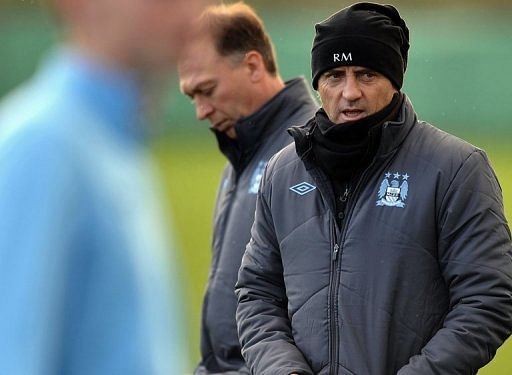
334, 287
333, 310
223, 225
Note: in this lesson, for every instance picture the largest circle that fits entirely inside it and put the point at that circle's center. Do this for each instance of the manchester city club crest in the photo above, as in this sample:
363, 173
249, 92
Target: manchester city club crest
393, 190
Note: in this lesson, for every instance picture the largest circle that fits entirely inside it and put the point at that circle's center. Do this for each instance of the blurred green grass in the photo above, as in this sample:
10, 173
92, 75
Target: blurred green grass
190, 169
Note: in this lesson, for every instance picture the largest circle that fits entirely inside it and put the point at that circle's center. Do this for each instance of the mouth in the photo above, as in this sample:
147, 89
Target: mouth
226, 127
221, 126
218, 125
353, 114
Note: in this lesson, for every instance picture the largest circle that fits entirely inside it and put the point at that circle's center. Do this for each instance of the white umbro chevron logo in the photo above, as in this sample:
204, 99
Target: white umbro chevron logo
302, 188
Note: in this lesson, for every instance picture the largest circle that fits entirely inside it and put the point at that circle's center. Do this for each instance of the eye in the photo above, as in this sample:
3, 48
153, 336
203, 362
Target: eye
208, 91
367, 75
334, 76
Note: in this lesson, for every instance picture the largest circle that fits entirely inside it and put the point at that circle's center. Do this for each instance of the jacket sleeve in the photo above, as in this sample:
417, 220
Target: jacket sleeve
34, 225
262, 318
475, 252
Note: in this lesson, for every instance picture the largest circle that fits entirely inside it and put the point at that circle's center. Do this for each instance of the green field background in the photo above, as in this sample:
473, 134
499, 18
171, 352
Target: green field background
459, 78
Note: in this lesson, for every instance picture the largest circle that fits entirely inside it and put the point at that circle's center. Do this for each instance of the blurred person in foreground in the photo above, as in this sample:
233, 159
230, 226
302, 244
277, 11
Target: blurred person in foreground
84, 281
232, 77
379, 244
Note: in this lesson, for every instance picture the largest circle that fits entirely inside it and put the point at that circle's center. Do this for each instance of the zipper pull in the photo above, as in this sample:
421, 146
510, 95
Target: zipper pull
344, 197
335, 252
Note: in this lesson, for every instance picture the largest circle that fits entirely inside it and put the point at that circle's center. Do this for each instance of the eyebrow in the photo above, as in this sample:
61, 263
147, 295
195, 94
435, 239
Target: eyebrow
358, 70
199, 88
334, 70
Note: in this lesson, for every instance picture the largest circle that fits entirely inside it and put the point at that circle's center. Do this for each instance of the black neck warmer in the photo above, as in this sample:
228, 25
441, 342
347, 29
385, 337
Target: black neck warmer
343, 150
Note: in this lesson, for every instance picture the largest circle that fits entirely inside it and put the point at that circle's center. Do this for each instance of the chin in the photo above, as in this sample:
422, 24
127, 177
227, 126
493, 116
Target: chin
231, 133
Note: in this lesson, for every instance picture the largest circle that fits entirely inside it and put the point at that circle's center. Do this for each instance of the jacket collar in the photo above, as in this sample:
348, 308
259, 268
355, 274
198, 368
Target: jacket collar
254, 129
393, 133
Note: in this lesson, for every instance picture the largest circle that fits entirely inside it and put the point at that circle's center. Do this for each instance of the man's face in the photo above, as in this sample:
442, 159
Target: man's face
220, 87
350, 93
139, 34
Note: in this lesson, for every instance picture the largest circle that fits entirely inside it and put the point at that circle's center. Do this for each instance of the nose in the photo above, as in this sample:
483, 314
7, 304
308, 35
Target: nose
351, 89
203, 109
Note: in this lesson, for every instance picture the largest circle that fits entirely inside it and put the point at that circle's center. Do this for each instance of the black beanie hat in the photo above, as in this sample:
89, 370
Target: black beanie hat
363, 34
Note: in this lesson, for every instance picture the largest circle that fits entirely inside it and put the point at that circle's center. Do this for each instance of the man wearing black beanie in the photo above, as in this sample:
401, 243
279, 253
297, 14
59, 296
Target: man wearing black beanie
380, 244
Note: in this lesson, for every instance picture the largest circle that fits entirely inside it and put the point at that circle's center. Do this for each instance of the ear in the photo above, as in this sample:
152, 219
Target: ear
255, 65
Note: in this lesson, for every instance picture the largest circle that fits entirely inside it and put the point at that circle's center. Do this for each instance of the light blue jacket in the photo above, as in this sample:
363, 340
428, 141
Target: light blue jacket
84, 276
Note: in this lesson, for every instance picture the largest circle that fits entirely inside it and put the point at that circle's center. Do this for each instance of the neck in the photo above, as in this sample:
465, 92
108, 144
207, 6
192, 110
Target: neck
269, 87
274, 85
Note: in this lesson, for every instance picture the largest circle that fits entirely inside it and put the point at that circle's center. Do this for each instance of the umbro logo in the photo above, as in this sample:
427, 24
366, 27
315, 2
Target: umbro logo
302, 188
